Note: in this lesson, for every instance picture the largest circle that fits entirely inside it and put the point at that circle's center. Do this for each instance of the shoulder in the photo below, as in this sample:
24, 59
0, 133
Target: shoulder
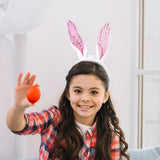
52, 112
52, 109
48, 114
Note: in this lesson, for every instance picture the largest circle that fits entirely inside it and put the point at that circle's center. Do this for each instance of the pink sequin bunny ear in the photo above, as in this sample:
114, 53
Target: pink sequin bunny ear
78, 45
76, 40
103, 41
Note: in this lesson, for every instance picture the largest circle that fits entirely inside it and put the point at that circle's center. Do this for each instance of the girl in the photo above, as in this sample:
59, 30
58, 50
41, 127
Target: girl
85, 125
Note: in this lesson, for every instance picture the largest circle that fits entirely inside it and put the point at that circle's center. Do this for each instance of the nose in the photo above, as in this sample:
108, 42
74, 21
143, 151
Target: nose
85, 97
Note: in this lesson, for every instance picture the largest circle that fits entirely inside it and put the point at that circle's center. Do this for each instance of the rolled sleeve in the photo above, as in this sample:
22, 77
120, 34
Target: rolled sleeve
38, 122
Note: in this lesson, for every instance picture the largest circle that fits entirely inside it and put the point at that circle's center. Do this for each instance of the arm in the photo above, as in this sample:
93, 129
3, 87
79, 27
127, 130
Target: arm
15, 117
41, 122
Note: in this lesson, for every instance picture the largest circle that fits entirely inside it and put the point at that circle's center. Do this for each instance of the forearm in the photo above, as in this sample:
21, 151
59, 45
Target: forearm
15, 118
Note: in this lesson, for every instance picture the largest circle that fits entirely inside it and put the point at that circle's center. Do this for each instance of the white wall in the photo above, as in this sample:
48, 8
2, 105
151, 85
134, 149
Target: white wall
49, 56
6, 138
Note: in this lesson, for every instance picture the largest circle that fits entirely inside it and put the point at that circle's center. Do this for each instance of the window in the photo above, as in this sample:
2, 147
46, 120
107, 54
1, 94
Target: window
149, 74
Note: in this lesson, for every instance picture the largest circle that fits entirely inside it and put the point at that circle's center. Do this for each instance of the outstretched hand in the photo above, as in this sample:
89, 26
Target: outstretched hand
20, 99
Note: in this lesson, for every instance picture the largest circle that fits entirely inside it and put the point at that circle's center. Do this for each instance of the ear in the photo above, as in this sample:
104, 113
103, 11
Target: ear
106, 96
75, 39
103, 41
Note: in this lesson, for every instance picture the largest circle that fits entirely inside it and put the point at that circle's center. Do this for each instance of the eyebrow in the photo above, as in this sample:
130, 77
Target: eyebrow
76, 87
89, 88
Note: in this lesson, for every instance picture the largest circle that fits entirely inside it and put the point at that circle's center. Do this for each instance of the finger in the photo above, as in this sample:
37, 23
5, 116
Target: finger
19, 79
26, 79
32, 79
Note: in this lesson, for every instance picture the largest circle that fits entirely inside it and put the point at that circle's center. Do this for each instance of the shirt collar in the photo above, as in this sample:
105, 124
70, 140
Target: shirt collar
92, 129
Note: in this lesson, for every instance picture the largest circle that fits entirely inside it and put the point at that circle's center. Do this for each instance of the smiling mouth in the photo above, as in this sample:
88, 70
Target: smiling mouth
84, 107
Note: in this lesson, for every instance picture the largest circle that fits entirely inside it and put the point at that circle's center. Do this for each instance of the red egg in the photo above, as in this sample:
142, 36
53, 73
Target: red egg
33, 94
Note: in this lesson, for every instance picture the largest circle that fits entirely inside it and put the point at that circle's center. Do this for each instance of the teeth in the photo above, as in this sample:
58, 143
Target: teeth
84, 107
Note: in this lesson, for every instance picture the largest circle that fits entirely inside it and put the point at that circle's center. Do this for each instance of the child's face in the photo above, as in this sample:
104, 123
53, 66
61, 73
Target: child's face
86, 95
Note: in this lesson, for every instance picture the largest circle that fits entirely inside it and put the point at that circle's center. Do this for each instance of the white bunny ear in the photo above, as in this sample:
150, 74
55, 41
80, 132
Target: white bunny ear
76, 40
103, 41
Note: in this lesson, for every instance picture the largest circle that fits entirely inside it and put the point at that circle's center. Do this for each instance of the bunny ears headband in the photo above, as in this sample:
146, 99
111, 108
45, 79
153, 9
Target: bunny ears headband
79, 46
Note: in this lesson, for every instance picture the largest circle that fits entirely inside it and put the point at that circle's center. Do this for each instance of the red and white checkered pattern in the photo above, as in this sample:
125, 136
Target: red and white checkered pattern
45, 123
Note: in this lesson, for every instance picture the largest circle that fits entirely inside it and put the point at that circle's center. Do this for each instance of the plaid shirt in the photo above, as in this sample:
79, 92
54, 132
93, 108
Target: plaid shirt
45, 123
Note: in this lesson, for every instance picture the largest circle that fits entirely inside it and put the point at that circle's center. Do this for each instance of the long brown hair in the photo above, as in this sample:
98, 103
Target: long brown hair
107, 122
